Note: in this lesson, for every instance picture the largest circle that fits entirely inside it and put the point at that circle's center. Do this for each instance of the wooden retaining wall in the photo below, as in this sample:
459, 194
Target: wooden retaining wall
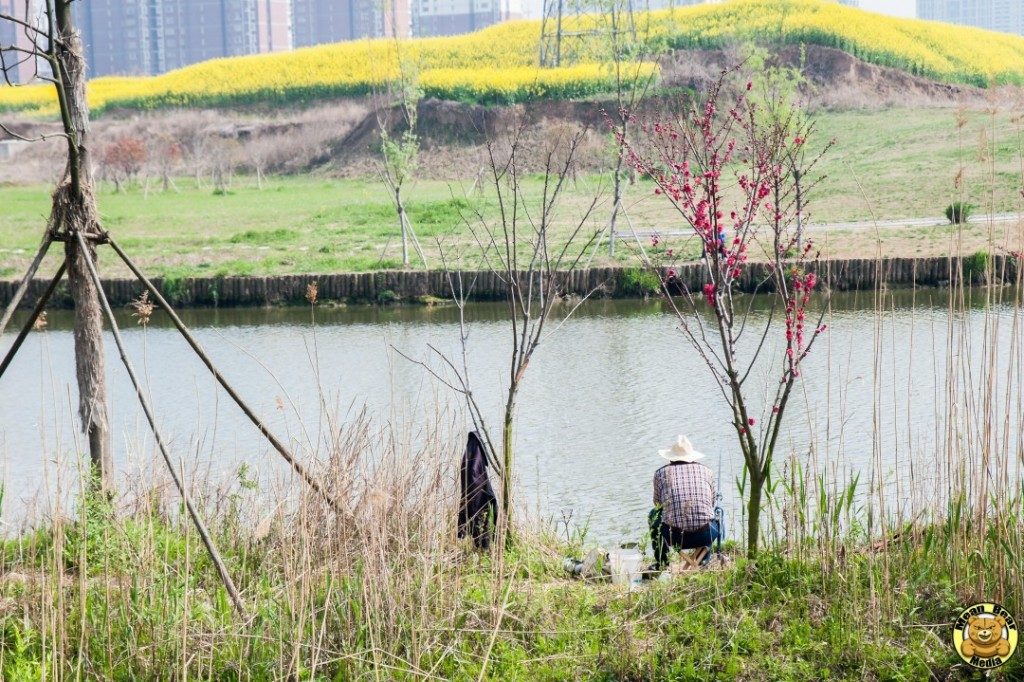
388, 286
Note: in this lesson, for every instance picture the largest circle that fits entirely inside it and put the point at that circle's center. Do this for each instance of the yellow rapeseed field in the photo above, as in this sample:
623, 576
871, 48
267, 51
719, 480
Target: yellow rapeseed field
500, 63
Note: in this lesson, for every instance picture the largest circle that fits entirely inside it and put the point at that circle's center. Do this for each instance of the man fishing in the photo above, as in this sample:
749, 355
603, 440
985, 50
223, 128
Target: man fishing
684, 504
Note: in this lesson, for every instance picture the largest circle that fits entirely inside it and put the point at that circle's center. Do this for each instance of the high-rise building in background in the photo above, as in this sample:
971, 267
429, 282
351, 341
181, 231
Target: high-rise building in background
118, 36
134, 37
997, 15
19, 67
448, 17
273, 25
315, 22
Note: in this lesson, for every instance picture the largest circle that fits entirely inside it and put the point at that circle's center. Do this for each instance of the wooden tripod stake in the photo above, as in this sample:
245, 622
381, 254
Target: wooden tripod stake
285, 453
211, 548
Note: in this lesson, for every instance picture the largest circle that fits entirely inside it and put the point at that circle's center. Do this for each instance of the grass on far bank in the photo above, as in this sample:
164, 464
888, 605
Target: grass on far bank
886, 164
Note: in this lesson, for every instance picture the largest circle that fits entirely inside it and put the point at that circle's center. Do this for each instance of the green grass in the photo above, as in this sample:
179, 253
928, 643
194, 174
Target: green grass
785, 619
886, 165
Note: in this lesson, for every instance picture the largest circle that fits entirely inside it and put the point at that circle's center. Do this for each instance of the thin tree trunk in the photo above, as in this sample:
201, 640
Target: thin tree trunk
74, 209
754, 513
799, 213
401, 221
89, 362
507, 462
616, 204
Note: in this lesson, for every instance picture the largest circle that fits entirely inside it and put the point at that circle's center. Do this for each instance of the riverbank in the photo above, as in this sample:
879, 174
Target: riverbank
396, 594
888, 164
414, 286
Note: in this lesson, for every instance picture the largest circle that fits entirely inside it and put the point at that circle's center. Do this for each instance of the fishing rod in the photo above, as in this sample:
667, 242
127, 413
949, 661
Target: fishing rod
719, 511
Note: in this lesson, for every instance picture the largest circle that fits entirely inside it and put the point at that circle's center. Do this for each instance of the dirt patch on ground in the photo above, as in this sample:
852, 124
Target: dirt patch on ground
342, 137
205, 142
454, 135
838, 80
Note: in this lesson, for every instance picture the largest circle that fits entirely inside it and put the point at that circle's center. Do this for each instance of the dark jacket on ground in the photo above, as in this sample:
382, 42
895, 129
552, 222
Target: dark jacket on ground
478, 507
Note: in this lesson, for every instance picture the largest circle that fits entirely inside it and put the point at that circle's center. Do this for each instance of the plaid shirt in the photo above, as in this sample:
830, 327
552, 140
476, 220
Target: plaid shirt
686, 493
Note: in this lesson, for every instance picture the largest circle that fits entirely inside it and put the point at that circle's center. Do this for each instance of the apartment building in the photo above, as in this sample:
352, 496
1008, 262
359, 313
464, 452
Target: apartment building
450, 17
134, 37
273, 25
19, 67
996, 15
315, 22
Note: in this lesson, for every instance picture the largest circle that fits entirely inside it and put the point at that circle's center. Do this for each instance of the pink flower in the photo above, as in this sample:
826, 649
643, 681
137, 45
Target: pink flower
751, 421
709, 293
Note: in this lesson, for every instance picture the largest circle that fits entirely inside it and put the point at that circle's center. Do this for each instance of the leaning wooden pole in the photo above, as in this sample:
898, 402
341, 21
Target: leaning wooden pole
25, 281
277, 445
200, 526
30, 322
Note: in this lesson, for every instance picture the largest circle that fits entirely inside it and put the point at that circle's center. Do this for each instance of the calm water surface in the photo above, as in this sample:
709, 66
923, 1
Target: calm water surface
615, 383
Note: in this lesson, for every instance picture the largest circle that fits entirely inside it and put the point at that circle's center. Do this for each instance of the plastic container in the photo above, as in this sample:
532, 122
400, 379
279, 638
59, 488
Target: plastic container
627, 566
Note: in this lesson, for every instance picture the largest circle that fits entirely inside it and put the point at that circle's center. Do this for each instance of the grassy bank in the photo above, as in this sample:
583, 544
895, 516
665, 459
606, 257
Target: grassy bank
388, 592
886, 165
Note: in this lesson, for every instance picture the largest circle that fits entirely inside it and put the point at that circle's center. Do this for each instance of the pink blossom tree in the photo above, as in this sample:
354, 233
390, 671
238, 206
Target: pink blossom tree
728, 174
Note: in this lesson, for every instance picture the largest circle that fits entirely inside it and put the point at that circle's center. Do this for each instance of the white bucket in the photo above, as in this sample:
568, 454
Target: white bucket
626, 566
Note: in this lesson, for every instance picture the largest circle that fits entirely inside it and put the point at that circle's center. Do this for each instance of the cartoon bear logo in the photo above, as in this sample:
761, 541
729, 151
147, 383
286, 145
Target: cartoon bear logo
985, 637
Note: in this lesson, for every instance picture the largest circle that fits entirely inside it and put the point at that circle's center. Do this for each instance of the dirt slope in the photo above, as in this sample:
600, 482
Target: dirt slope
342, 138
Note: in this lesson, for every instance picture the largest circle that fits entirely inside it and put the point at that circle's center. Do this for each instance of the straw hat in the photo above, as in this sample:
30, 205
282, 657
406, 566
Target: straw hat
681, 451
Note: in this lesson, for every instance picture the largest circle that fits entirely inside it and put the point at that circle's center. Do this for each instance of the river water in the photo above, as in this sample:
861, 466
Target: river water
616, 382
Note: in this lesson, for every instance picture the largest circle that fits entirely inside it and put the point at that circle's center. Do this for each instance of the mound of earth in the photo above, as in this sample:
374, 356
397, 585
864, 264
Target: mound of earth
455, 134
838, 80
341, 137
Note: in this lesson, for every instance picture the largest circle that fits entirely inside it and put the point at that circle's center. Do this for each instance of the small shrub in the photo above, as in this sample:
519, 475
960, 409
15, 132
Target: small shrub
639, 282
975, 266
959, 212
176, 290
261, 237
387, 296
